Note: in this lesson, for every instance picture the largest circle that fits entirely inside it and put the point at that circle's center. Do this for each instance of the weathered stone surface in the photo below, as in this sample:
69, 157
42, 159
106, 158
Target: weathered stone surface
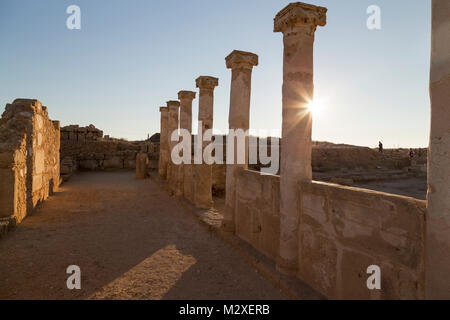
173, 170
203, 172
344, 230
438, 220
115, 162
90, 165
141, 166
91, 153
29, 158
186, 98
241, 63
164, 143
298, 22
188, 183
257, 210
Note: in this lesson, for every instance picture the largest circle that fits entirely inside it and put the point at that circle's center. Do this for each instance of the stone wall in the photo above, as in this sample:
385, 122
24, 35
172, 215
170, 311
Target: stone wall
258, 211
29, 158
91, 151
343, 231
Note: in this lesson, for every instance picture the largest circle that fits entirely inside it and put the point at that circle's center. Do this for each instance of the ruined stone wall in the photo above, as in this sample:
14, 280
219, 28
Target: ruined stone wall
29, 158
91, 151
45, 157
343, 231
258, 211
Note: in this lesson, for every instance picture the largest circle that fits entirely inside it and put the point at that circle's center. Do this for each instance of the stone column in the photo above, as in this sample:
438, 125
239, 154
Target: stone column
203, 172
172, 178
241, 64
185, 174
186, 98
298, 23
141, 165
437, 264
163, 144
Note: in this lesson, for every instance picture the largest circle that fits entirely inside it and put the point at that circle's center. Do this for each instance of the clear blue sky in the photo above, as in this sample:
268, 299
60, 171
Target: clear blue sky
130, 57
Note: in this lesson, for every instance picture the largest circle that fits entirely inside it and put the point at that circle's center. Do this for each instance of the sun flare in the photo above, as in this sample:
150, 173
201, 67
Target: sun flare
315, 107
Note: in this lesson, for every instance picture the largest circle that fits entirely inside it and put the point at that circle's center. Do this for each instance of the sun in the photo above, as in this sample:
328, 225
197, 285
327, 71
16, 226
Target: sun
315, 107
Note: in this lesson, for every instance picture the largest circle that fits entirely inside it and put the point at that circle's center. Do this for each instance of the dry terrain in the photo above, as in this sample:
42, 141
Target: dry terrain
131, 241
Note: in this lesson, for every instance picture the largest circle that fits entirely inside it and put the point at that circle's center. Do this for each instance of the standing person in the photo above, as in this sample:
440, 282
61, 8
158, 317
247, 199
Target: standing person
380, 147
411, 154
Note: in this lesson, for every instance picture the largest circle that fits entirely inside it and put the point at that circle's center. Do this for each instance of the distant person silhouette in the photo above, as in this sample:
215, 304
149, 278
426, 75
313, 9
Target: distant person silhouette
411, 154
380, 147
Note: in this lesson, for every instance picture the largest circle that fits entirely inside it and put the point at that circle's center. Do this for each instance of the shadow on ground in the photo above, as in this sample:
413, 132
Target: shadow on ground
131, 241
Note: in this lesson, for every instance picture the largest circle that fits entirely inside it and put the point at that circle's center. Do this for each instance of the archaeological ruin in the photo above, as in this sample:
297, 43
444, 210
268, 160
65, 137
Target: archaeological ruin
330, 213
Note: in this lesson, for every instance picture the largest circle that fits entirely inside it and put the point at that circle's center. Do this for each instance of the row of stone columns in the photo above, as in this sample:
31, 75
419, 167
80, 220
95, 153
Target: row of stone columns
298, 22
193, 181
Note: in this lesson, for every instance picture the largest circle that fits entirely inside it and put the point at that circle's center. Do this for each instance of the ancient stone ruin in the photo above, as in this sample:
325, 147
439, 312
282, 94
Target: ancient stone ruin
317, 220
86, 148
29, 153
325, 233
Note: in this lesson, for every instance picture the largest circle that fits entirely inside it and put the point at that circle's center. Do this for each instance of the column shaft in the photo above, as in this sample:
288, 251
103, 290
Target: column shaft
185, 170
163, 144
172, 172
437, 242
203, 172
241, 64
298, 23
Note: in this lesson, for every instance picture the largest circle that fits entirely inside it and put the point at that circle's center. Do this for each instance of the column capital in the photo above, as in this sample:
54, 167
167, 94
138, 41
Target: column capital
163, 109
188, 95
300, 14
205, 82
241, 59
173, 104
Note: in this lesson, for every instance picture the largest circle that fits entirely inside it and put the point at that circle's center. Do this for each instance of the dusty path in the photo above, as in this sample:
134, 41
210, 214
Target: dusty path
131, 241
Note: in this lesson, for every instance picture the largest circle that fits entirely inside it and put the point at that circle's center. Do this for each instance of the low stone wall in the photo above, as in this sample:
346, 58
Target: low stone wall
343, 231
29, 158
257, 213
77, 133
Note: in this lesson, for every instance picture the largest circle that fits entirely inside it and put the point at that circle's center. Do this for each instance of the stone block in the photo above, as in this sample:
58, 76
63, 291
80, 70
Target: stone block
37, 183
73, 136
113, 163
141, 166
7, 189
129, 164
65, 169
318, 260
64, 135
90, 165
39, 161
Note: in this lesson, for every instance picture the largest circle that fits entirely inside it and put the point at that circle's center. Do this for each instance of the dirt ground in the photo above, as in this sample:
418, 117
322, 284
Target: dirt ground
411, 187
131, 241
